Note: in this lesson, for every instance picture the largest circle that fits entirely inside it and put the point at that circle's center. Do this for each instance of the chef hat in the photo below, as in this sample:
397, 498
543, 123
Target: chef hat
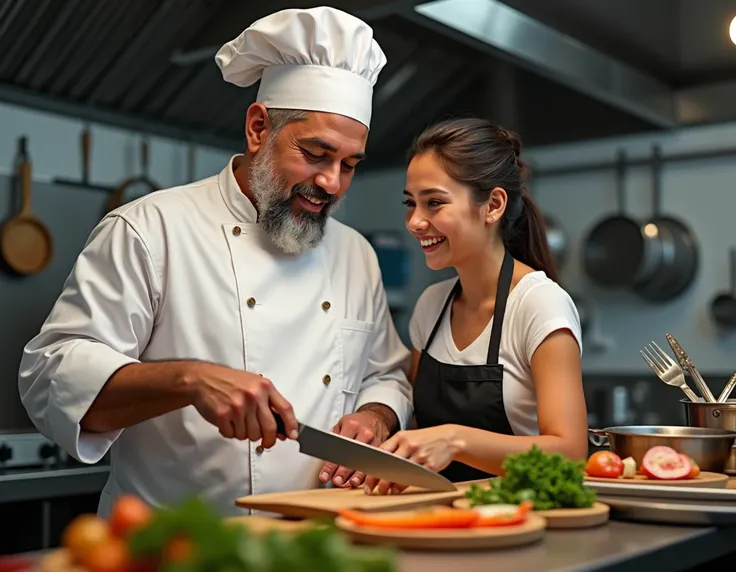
319, 59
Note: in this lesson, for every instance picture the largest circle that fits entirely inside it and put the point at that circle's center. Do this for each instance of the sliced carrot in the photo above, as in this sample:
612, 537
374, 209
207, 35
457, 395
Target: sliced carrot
435, 518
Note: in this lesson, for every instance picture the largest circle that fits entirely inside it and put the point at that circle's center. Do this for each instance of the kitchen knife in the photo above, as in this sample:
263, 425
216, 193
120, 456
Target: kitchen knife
334, 448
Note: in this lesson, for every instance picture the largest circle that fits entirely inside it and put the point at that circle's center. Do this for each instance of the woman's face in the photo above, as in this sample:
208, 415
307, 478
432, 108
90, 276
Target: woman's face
442, 214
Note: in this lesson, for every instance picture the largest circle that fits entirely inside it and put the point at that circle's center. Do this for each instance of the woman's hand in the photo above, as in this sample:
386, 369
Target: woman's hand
434, 448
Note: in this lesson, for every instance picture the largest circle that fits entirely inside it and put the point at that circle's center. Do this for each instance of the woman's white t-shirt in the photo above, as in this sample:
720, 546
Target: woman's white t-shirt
536, 308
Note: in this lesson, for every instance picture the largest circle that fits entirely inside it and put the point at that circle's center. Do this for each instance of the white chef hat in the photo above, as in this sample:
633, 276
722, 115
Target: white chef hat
319, 59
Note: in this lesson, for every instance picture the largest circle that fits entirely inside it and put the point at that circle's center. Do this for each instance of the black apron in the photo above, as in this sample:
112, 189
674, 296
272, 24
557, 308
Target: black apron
468, 395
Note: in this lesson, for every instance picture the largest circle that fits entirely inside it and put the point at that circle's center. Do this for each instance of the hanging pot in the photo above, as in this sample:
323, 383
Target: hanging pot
613, 249
723, 306
669, 255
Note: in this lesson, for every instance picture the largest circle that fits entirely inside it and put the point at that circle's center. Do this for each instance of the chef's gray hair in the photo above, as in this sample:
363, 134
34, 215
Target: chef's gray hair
280, 118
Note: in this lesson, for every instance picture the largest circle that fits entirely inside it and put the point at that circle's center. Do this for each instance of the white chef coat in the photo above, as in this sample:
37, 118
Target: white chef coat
186, 273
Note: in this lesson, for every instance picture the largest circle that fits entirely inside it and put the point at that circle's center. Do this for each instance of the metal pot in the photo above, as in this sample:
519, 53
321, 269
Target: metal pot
713, 416
723, 306
710, 447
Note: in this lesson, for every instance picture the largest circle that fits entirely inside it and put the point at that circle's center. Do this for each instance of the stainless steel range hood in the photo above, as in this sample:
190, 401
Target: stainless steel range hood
508, 33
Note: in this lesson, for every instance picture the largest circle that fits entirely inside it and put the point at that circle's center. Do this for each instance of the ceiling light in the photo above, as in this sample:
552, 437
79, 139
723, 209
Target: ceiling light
732, 30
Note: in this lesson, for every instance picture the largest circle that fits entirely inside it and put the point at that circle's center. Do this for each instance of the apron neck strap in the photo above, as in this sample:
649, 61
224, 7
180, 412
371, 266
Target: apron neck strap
502, 295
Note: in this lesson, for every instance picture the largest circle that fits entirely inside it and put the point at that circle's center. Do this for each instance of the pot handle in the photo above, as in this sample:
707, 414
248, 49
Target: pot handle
598, 438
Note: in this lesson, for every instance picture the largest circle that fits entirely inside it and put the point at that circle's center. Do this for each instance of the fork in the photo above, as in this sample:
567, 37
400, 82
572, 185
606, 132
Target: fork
667, 369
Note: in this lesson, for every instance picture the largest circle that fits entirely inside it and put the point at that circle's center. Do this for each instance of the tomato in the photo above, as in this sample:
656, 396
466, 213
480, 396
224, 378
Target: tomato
83, 534
179, 549
604, 464
128, 514
665, 463
694, 469
109, 556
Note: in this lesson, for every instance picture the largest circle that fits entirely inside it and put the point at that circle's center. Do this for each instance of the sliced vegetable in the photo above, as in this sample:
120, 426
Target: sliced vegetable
694, 468
665, 463
629, 468
503, 514
604, 464
438, 517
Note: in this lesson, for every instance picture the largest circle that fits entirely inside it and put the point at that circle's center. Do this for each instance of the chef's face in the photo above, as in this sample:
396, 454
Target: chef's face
441, 213
299, 175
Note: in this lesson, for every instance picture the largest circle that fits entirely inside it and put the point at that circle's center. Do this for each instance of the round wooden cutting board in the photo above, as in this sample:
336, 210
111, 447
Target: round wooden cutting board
564, 517
481, 538
704, 479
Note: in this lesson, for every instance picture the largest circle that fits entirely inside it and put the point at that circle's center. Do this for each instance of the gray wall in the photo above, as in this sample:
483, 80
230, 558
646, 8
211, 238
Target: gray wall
26, 300
70, 213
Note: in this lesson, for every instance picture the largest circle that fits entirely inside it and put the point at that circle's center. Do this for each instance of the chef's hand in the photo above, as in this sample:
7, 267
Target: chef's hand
240, 404
372, 424
433, 447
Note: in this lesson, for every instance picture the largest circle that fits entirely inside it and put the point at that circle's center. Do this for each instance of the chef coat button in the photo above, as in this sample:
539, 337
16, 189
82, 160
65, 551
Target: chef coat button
251, 302
259, 449
326, 305
326, 380
236, 231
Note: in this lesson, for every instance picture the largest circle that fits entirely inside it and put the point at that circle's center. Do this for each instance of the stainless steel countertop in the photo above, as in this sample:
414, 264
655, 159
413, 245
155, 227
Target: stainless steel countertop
38, 484
614, 547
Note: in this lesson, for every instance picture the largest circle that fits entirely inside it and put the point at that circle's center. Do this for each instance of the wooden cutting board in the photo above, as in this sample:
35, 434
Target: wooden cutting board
481, 538
564, 517
318, 503
704, 479
263, 524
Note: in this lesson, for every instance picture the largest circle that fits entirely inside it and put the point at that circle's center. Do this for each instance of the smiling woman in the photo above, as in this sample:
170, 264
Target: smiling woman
496, 356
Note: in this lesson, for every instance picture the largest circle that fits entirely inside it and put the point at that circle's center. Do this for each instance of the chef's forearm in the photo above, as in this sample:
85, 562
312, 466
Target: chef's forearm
486, 451
387, 415
138, 392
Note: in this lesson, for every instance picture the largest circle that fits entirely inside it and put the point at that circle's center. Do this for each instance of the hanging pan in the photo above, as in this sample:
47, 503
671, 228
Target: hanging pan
669, 255
25, 241
612, 250
723, 306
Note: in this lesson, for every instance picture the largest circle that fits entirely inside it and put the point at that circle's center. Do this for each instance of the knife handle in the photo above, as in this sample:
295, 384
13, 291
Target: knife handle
280, 425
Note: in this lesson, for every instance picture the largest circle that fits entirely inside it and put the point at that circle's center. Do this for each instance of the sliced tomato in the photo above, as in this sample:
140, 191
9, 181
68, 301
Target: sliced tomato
439, 517
665, 463
604, 464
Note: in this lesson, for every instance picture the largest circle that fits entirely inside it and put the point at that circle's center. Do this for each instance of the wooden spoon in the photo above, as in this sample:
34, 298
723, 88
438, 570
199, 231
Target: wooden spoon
25, 242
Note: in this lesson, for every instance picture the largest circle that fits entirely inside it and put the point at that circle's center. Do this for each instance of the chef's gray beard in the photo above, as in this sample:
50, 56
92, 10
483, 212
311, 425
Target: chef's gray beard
292, 233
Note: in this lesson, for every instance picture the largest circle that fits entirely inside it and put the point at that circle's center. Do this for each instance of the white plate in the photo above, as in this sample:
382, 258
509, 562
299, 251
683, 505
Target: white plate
663, 492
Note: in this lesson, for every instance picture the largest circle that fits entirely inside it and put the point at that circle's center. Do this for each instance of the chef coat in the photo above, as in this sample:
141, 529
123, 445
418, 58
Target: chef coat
187, 273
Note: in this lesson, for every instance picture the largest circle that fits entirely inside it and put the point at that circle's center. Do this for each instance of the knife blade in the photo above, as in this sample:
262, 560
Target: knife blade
334, 448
